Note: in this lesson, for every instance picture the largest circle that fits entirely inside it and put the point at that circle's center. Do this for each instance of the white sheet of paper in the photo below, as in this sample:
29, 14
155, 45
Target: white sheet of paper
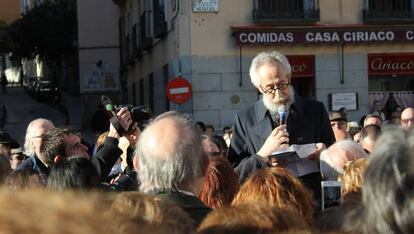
304, 150
304, 166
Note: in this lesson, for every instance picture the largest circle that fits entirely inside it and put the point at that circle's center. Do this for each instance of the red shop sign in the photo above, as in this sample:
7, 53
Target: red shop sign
302, 65
391, 64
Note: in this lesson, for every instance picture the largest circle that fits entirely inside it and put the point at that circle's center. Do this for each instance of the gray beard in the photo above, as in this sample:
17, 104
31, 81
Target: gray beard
274, 107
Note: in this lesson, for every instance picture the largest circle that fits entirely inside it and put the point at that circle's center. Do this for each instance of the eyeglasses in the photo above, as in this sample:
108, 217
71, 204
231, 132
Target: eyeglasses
274, 88
337, 123
407, 120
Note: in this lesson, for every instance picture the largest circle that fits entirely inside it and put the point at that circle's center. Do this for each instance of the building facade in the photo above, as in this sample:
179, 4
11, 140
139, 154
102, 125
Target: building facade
9, 10
344, 53
99, 55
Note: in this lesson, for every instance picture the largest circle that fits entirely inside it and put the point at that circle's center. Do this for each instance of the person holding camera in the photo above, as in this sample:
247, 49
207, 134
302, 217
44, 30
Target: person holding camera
126, 178
58, 143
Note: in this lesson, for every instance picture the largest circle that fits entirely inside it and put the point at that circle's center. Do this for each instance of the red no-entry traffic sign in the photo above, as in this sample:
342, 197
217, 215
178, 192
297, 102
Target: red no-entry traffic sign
179, 90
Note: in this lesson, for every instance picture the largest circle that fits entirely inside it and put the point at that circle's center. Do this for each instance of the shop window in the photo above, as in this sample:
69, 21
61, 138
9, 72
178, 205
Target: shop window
382, 11
286, 11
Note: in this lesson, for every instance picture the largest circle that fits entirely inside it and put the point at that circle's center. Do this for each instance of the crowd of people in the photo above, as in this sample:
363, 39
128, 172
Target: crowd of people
176, 175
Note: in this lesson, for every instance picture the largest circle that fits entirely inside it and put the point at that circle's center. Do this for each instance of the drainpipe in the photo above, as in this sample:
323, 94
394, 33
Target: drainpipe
342, 63
240, 67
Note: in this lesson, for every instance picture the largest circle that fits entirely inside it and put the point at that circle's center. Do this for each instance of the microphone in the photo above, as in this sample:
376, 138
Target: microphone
109, 107
282, 114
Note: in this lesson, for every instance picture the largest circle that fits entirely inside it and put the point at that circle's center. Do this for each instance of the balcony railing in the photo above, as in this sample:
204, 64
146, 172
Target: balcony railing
145, 33
160, 24
382, 11
286, 11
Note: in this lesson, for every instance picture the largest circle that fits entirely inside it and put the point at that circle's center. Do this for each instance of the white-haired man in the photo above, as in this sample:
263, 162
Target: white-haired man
334, 158
169, 159
257, 132
33, 140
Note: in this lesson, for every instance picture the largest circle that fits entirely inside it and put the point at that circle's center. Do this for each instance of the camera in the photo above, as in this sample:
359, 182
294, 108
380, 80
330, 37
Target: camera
139, 114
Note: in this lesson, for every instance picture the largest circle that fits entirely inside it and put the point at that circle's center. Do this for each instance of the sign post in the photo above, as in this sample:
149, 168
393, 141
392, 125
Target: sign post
179, 90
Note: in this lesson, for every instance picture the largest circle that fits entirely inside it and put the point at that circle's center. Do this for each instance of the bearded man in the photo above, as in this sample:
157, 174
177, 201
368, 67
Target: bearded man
257, 131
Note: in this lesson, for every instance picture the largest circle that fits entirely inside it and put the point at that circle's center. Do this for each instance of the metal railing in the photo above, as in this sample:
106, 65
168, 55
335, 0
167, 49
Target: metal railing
286, 11
387, 10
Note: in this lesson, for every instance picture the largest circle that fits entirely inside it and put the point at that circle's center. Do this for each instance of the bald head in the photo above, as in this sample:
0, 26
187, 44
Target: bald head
162, 138
34, 134
337, 155
169, 153
407, 118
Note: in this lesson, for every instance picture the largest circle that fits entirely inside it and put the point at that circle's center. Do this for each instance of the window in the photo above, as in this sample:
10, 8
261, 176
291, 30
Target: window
286, 11
387, 11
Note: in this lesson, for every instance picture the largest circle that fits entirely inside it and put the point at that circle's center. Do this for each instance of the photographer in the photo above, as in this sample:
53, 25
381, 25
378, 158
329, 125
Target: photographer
127, 179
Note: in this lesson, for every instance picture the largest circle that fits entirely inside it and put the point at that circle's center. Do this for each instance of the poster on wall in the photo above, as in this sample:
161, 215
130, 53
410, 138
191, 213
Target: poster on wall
340, 100
205, 5
100, 77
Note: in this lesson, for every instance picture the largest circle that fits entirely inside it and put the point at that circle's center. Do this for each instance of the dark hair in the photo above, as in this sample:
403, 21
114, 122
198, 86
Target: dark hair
5, 168
371, 131
201, 125
210, 126
76, 172
226, 128
361, 121
354, 130
221, 143
53, 144
388, 194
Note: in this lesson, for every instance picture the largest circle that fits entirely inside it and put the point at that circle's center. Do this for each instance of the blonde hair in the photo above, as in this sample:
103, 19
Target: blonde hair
101, 140
277, 187
353, 177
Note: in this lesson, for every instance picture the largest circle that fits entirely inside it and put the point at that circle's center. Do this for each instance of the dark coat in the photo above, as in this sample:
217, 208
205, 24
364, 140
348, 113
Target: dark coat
307, 122
194, 207
4, 81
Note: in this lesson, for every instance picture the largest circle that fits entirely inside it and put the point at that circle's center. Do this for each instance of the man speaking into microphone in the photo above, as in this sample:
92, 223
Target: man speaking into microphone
278, 120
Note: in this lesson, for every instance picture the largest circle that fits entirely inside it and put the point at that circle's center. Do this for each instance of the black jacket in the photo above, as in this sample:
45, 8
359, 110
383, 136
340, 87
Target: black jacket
307, 122
193, 206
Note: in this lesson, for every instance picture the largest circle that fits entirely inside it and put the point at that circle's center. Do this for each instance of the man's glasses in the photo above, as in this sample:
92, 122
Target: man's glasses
339, 124
273, 89
407, 120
